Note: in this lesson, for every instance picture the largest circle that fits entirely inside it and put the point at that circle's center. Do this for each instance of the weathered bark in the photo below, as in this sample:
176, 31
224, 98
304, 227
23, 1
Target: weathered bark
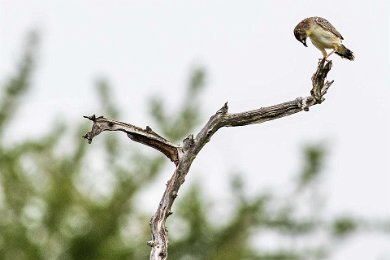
184, 154
144, 136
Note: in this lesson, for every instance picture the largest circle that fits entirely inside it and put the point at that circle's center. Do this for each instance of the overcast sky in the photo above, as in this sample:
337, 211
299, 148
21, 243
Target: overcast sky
252, 59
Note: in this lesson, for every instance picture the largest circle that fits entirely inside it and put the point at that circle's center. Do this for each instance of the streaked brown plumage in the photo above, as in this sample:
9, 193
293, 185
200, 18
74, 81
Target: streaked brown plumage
323, 35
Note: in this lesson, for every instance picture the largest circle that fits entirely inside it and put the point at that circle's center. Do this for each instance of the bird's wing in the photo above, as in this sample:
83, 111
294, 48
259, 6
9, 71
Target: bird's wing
327, 26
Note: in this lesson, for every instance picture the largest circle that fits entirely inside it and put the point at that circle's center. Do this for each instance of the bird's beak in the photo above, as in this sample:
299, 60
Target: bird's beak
304, 43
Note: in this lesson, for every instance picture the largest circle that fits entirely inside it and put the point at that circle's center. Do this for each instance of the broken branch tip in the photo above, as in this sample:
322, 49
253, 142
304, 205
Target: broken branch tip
223, 109
88, 137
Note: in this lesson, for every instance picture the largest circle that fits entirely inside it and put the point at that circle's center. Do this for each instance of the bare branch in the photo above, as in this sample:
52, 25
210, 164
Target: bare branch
320, 86
144, 136
184, 154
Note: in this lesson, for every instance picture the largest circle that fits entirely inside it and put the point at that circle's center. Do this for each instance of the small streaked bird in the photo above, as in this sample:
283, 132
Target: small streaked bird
323, 35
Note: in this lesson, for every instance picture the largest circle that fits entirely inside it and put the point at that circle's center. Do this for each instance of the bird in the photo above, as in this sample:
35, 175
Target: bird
323, 35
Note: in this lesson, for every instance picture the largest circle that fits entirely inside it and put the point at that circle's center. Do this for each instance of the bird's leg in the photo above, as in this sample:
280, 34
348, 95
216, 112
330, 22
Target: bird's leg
330, 54
325, 54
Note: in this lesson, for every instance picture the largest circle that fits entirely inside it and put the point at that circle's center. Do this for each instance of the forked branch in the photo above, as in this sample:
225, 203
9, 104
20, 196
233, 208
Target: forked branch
184, 154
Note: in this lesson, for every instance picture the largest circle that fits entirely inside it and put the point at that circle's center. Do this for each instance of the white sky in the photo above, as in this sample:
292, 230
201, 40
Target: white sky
252, 60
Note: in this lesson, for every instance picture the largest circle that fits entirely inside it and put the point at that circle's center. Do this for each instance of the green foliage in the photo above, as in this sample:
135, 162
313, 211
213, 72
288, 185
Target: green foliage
79, 203
17, 84
344, 226
313, 159
179, 123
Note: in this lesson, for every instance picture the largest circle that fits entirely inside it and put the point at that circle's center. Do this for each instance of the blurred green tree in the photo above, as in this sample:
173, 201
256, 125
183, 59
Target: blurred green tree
52, 207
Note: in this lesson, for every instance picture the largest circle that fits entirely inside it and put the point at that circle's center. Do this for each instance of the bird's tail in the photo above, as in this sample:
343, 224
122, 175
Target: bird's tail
344, 52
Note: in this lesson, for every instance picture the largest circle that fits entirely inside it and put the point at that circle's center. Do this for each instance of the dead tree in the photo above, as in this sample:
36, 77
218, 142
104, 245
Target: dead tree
183, 155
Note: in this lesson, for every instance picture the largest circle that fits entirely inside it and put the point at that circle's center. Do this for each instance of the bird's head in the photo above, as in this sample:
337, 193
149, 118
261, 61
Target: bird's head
300, 35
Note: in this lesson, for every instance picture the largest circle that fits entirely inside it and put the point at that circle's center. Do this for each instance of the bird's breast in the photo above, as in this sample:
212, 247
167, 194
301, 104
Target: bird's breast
322, 38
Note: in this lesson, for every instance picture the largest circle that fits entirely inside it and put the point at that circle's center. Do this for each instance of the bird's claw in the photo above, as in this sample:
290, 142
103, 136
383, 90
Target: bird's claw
326, 59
